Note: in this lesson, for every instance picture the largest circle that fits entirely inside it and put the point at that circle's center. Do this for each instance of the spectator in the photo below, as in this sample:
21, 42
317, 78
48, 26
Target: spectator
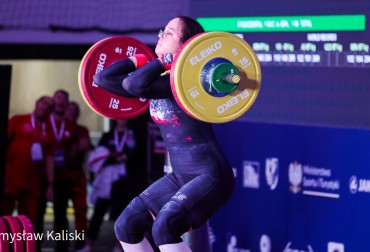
110, 187
65, 145
76, 173
29, 162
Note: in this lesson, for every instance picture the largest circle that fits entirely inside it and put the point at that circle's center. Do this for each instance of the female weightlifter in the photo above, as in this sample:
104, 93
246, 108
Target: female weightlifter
202, 180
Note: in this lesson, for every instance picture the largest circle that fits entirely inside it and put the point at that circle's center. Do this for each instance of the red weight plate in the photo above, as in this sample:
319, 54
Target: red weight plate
99, 56
4, 244
15, 226
29, 233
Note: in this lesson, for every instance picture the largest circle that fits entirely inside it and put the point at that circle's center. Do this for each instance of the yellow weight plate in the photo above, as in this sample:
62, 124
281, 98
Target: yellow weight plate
189, 64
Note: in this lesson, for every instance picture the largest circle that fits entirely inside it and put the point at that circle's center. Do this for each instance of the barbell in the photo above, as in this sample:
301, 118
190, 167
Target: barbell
215, 77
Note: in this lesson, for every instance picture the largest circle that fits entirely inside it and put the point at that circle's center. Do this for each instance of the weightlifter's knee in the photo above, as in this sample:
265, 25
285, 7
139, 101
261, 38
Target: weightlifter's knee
133, 222
172, 221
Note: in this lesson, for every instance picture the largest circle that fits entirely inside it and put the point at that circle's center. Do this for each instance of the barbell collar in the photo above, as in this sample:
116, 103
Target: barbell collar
231, 78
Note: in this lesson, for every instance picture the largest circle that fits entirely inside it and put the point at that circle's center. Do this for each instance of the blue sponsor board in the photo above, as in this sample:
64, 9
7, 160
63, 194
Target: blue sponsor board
298, 188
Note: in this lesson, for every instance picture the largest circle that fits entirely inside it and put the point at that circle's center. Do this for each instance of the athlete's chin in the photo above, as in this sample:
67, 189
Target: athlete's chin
158, 50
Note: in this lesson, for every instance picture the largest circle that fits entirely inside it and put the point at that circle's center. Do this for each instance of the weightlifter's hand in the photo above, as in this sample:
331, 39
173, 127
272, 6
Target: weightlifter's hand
139, 60
166, 60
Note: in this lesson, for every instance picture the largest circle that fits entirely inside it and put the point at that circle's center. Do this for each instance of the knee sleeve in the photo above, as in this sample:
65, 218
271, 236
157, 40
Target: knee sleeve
133, 222
172, 221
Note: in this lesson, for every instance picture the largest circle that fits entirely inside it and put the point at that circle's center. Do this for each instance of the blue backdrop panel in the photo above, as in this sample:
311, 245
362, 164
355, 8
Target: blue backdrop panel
298, 188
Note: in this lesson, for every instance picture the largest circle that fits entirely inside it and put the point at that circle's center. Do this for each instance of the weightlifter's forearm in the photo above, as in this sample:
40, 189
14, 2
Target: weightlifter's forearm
147, 82
111, 77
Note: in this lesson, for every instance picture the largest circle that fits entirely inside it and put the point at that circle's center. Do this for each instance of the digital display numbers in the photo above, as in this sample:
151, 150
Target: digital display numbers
326, 54
318, 41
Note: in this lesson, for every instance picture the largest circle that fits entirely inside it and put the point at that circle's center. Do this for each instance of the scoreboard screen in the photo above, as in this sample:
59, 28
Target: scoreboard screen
314, 57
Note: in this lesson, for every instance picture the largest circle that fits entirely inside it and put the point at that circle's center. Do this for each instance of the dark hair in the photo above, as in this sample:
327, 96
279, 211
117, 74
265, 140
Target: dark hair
62, 91
190, 27
44, 97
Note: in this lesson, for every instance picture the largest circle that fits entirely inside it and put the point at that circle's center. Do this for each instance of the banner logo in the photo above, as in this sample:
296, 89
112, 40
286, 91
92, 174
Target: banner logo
314, 181
272, 172
232, 246
359, 185
265, 243
335, 247
289, 249
295, 177
251, 174
353, 184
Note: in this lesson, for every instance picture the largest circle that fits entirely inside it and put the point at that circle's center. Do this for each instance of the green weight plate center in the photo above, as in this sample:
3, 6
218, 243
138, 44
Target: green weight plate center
225, 78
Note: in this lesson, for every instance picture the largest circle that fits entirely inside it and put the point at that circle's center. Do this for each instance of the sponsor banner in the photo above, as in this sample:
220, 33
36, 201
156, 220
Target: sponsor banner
304, 188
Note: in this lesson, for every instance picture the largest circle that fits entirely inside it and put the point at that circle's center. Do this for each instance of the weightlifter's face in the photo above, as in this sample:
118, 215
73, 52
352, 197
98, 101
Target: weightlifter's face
169, 38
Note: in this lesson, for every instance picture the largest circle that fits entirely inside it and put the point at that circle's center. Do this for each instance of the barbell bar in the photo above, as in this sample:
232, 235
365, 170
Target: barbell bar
215, 77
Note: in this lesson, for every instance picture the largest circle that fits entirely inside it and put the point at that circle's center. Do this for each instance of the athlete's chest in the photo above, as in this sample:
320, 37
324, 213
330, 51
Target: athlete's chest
165, 111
